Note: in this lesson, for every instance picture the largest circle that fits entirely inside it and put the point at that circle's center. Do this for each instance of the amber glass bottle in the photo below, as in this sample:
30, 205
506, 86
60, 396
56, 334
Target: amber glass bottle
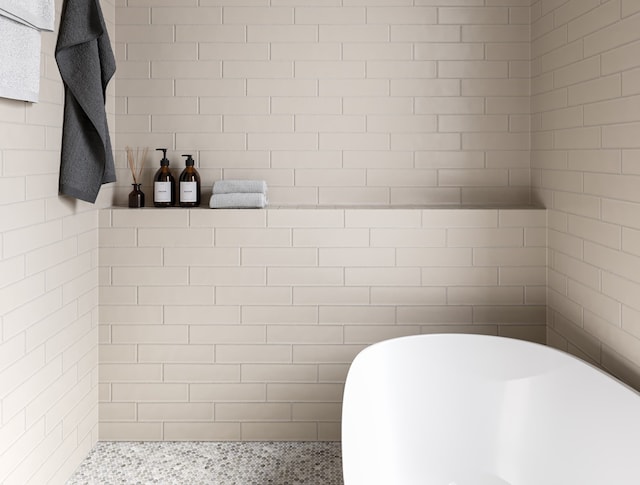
189, 184
164, 184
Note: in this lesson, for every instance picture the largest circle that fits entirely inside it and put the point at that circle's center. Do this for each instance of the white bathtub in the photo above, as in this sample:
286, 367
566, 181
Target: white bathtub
480, 410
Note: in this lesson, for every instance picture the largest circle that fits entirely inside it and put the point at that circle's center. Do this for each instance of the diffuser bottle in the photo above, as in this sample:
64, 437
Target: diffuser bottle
189, 184
164, 184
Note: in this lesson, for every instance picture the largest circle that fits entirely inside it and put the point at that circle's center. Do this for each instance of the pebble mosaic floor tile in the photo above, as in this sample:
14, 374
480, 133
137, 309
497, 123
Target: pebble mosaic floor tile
218, 463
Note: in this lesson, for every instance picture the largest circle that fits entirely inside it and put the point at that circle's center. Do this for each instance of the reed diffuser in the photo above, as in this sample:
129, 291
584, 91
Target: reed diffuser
136, 164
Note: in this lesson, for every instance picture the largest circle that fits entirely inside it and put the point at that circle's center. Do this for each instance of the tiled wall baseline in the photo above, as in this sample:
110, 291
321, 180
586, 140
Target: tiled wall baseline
242, 324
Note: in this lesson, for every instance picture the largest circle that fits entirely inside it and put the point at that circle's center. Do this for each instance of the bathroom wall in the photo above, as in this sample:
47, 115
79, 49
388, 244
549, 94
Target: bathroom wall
48, 292
586, 136
333, 102
241, 325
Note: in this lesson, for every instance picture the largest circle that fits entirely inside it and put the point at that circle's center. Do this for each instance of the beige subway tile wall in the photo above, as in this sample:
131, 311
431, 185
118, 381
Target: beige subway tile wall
247, 332
397, 102
585, 141
48, 290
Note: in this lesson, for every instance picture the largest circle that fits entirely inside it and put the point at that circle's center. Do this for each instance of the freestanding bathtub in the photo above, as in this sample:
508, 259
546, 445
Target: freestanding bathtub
482, 410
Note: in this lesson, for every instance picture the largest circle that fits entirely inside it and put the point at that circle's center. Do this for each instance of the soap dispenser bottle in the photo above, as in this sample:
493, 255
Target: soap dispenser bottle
164, 184
189, 184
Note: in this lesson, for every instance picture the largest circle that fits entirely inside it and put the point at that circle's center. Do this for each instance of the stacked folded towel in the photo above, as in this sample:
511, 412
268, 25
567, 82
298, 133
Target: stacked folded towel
239, 194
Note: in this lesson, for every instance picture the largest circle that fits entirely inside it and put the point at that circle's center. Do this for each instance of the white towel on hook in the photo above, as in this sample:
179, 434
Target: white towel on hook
20, 24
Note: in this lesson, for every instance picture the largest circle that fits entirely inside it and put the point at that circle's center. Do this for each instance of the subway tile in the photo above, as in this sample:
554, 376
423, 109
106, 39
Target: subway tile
399, 15
197, 372
352, 33
240, 276
459, 276
117, 412
281, 33
407, 295
186, 15
316, 411
393, 69
322, 354
174, 353
353, 196
147, 392
227, 334
125, 314
174, 412
204, 431
130, 431
330, 296
253, 295
306, 105
614, 35
304, 334
602, 88
226, 392
248, 412
377, 51
620, 58
436, 257
279, 373
401, 238
253, 354
266, 314
130, 372
347, 237
382, 276
304, 276
509, 256
356, 257
330, 123
260, 238
281, 87
358, 314
288, 431
363, 334
177, 295
258, 15
228, 218
149, 276
149, 334
225, 51
504, 295
125, 353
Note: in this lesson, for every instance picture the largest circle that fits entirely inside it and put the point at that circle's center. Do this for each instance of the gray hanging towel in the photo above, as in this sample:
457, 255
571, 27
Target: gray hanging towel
86, 64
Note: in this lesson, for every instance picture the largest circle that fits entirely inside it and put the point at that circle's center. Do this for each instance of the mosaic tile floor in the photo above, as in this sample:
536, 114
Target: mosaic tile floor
219, 463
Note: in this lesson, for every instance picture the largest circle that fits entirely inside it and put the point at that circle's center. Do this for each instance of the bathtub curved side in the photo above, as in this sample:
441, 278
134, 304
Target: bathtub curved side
482, 410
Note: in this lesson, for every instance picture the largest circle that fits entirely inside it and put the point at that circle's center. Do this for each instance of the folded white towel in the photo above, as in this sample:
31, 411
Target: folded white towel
240, 187
19, 61
20, 24
37, 14
238, 201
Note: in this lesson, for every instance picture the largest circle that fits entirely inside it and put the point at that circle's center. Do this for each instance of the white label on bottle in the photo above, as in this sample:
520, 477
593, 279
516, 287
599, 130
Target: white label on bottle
162, 191
188, 191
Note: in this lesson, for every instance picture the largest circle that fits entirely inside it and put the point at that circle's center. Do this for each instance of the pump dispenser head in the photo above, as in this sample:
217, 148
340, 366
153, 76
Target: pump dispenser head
189, 162
165, 161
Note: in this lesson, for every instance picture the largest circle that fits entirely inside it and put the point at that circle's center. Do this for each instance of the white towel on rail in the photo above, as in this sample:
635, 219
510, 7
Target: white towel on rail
20, 24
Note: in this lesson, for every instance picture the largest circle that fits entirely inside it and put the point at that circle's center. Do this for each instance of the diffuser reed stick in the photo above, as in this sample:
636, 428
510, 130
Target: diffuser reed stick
136, 164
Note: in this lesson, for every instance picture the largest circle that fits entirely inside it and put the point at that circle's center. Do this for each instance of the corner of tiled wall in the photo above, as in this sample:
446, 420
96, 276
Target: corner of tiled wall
586, 147
48, 291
